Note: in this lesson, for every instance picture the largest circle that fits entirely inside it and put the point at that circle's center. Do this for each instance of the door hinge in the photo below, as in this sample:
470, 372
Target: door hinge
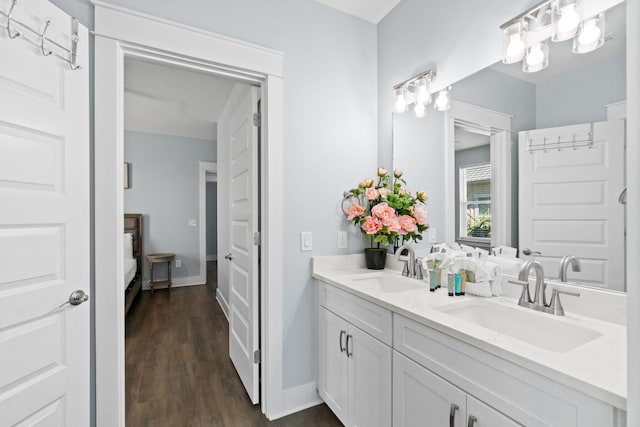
257, 119
256, 356
256, 238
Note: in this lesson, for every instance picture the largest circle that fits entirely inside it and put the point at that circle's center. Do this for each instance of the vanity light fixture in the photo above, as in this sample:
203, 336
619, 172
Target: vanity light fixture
416, 91
443, 100
527, 35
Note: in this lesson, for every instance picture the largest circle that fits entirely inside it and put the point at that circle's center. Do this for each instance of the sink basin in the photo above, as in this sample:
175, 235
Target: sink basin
535, 328
389, 283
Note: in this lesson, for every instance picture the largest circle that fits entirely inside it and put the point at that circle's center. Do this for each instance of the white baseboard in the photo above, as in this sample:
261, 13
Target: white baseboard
177, 283
224, 305
212, 257
298, 399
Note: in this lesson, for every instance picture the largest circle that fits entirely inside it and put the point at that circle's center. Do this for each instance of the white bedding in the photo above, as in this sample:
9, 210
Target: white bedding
130, 269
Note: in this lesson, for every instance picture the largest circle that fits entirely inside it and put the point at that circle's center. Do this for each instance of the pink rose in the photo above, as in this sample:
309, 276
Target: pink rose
394, 226
371, 225
384, 213
382, 172
408, 224
354, 210
371, 193
383, 191
420, 215
366, 183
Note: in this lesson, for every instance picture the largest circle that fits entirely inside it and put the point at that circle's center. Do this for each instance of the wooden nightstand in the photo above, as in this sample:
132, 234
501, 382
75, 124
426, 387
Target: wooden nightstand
156, 258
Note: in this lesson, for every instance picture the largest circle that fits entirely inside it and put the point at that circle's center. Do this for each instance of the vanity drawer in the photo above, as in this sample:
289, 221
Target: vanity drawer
371, 318
525, 396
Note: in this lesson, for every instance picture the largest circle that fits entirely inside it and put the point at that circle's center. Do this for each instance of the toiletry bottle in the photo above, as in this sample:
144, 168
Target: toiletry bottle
450, 283
433, 280
463, 285
457, 279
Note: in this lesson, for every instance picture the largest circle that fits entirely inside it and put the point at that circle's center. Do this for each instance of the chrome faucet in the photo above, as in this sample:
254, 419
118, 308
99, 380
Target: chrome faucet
539, 297
409, 269
564, 266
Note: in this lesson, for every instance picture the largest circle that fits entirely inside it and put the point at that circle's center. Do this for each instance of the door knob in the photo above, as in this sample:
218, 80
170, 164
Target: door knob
76, 298
229, 256
528, 251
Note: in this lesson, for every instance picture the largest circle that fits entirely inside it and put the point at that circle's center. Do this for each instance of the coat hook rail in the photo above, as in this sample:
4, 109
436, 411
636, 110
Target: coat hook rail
39, 39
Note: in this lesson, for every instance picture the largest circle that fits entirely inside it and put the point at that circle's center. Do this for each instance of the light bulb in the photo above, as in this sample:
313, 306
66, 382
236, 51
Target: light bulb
569, 19
422, 92
442, 100
400, 104
535, 56
419, 110
590, 33
515, 49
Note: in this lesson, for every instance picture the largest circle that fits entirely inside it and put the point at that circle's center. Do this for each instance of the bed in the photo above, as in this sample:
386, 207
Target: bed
132, 243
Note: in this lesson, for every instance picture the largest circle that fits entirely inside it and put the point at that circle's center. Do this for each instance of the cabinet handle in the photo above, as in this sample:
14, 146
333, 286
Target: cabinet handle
349, 339
452, 414
472, 421
342, 334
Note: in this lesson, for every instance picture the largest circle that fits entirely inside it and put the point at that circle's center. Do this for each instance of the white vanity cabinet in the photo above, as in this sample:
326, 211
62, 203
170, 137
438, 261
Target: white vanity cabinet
421, 398
354, 367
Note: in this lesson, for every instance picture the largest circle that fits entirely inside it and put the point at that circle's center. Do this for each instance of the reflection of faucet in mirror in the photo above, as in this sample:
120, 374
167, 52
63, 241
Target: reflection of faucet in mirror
564, 266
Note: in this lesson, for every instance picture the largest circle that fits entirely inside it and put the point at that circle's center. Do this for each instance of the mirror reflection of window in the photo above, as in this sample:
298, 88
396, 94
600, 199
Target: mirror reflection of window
475, 203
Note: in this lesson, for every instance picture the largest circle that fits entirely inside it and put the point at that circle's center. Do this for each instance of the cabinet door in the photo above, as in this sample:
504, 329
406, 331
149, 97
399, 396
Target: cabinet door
421, 398
332, 363
369, 380
481, 415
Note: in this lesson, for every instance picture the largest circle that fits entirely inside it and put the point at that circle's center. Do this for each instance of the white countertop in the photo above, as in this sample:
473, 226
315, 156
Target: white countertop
597, 368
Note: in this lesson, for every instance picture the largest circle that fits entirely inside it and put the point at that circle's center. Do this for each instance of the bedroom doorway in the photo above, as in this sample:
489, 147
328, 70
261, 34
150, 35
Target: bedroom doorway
194, 49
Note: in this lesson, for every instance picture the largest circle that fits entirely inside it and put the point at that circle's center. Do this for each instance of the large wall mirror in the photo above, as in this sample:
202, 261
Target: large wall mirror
531, 160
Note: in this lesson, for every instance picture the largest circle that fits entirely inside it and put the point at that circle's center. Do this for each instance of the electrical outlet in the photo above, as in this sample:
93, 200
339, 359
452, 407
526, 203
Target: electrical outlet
178, 263
192, 222
306, 241
342, 239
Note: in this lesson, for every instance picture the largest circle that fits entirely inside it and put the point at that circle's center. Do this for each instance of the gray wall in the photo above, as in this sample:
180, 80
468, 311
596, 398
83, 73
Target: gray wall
330, 68
212, 218
164, 187
471, 156
580, 96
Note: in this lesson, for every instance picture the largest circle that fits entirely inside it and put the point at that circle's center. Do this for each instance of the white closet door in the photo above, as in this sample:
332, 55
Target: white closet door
44, 226
244, 273
568, 201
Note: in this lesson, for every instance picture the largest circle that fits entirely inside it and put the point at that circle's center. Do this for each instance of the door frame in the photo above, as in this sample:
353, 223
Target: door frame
501, 168
204, 168
121, 32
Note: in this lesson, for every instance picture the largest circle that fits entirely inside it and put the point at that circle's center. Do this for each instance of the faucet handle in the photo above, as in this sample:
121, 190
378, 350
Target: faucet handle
555, 306
419, 273
525, 296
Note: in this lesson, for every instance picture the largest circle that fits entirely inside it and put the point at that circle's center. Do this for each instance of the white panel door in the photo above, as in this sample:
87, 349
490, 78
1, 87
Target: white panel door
369, 380
44, 227
333, 363
244, 274
568, 201
421, 398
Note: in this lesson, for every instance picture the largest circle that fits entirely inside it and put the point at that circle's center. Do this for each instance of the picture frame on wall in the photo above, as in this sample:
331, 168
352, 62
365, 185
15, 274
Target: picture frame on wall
125, 170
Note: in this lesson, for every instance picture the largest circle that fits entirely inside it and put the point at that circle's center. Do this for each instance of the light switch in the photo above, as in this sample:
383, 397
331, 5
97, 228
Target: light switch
192, 222
433, 235
178, 263
342, 239
306, 241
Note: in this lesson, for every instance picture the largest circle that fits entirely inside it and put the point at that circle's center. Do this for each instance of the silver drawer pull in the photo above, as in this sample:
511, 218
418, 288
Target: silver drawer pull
452, 414
342, 334
472, 421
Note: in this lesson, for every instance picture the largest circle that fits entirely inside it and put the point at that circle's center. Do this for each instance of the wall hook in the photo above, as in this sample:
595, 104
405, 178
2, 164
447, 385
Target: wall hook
73, 52
45, 52
12, 34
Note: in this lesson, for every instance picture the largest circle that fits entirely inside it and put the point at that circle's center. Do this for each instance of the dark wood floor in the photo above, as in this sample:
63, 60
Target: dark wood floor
178, 371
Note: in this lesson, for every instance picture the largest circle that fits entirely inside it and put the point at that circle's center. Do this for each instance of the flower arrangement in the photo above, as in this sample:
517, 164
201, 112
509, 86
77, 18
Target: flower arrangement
385, 213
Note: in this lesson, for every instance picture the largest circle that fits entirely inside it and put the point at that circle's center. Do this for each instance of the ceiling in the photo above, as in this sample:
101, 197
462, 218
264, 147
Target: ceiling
562, 60
468, 138
169, 100
370, 10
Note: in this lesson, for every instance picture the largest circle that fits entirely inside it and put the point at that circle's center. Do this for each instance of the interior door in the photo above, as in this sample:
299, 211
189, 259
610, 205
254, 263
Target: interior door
244, 273
568, 200
44, 225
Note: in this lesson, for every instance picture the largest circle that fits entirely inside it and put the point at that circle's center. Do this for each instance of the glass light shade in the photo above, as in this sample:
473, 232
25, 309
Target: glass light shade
513, 47
590, 35
566, 20
422, 92
537, 57
419, 109
399, 103
443, 101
